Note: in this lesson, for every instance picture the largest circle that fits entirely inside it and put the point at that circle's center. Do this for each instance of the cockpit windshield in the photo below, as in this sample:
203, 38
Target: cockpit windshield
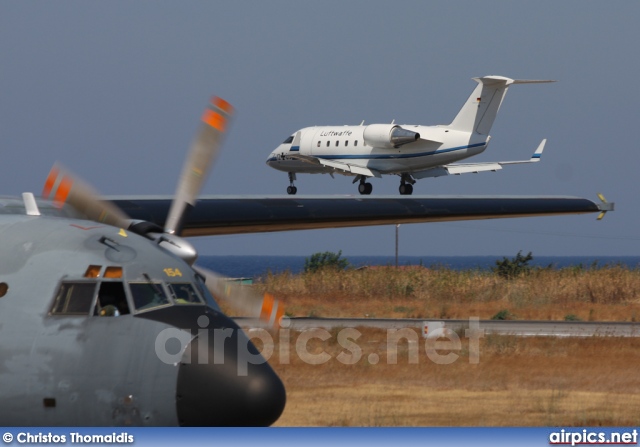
288, 140
102, 292
148, 295
184, 293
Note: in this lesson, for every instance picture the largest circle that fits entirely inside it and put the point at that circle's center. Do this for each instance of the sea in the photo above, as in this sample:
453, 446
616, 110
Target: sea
258, 266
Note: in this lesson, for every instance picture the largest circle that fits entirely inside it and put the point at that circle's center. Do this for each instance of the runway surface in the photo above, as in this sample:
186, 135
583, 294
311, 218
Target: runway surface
508, 327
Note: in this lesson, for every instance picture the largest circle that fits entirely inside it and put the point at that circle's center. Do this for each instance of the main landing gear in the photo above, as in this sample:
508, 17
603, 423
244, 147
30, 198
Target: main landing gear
406, 185
291, 189
364, 188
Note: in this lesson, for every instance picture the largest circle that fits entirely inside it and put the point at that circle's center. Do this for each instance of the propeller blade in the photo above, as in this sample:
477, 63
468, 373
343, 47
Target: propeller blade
62, 187
203, 151
244, 300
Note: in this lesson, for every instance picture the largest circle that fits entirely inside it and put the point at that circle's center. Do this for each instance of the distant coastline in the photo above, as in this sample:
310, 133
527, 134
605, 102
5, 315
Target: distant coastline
256, 266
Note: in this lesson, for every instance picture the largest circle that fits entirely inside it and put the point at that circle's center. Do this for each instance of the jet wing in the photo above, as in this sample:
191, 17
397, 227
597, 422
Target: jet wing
345, 168
253, 214
463, 168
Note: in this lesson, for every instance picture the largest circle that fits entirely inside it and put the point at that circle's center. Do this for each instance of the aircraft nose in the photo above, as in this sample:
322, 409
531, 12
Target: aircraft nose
234, 386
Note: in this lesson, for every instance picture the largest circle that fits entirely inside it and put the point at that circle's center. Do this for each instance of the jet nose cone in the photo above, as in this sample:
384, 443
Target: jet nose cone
234, 387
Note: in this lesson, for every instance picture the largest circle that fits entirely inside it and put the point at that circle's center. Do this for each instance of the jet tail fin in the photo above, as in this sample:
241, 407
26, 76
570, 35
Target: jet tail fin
479, 111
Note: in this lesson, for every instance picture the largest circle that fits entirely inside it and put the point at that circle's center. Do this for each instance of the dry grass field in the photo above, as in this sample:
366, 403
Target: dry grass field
602, 294
517, 381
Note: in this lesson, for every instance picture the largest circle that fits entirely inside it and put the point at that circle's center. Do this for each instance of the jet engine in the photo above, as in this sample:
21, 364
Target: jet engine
388, 135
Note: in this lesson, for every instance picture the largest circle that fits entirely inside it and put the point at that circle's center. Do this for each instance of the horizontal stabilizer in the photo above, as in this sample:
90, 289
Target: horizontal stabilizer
533, 81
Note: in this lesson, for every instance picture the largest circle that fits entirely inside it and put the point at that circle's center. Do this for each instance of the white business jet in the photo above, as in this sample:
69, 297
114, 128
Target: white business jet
411, 151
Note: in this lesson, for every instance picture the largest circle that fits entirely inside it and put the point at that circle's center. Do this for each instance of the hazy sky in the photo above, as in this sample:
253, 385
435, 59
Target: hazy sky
114, 91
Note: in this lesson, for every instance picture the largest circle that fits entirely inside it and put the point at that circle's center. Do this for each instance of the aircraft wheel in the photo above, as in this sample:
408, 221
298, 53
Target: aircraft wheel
365, 188
368, 188
409, 189
406, 189
291, 190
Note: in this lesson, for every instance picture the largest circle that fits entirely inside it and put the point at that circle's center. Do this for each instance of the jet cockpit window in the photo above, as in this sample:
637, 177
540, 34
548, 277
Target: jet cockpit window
148, 295
74, 298
184, 293
288, 140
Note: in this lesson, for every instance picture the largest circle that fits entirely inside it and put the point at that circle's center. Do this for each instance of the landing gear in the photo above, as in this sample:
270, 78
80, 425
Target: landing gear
291, 189
406, 189
364, 188
406, 184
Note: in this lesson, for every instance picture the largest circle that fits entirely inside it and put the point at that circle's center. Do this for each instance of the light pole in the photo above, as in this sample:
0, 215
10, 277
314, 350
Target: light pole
397, 228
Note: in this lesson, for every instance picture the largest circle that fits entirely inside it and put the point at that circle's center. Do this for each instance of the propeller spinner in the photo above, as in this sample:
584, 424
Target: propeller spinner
63, 187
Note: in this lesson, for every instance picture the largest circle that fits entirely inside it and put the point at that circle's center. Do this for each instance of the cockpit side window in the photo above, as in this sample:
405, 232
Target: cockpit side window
184, 293
148, 295
74, 298
112, 300
288, 140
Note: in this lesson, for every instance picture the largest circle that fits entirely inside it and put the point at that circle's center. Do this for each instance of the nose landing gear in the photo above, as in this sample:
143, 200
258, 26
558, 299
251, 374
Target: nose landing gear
291, 189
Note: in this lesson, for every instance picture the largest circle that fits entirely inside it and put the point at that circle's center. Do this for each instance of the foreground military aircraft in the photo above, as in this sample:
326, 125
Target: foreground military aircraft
105, 320
411, 151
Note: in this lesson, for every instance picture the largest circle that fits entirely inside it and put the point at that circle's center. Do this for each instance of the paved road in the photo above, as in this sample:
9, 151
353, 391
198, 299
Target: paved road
519, 328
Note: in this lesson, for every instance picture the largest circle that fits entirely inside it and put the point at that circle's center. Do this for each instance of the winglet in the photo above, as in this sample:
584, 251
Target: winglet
538, 153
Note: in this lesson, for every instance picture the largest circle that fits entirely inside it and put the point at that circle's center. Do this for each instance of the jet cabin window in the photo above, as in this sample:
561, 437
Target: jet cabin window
288, 140
148, 295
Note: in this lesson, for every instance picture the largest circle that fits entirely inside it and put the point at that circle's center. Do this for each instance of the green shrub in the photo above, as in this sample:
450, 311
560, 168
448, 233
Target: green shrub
326, 260
514, 267
504, 314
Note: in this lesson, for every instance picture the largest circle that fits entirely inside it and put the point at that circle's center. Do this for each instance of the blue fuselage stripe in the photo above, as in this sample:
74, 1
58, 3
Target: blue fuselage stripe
396, 156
